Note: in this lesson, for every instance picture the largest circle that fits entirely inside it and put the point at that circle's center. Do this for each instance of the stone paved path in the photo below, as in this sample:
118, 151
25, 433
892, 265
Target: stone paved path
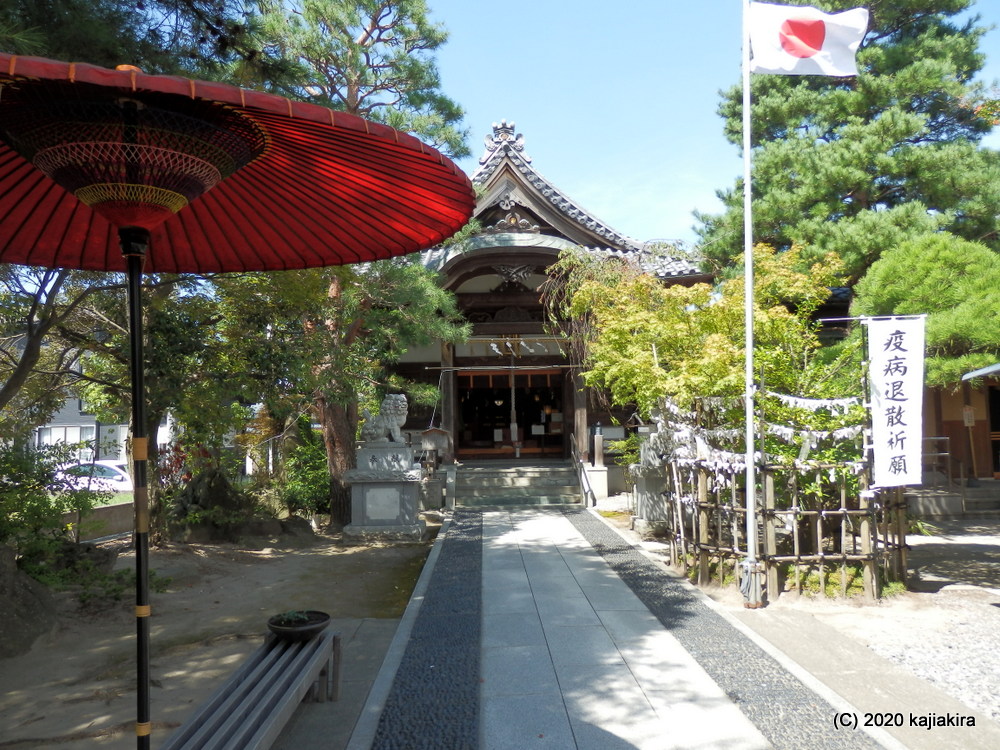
544, 628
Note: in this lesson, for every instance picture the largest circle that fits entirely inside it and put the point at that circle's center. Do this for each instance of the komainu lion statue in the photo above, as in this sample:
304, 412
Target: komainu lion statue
385, 426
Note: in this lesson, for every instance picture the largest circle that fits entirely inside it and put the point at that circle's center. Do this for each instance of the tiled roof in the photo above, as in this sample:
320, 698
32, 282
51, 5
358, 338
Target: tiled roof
656, 263
504, 144
651, 261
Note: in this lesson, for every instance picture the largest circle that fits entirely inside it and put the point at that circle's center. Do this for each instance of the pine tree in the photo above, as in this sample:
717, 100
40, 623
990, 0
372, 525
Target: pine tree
372, 58
858, 165
956, 283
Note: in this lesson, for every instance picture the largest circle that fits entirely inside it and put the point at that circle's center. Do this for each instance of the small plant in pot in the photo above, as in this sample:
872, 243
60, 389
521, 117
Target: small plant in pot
298, 624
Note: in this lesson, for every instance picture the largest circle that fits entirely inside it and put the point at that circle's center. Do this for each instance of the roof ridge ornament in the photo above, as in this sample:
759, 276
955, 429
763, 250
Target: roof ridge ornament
503, 137
505, 145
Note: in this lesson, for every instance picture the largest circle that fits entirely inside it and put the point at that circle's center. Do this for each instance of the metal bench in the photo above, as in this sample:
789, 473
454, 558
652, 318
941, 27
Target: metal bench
249, 710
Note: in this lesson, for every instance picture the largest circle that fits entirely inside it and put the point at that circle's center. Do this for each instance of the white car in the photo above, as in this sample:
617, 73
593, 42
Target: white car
101, 476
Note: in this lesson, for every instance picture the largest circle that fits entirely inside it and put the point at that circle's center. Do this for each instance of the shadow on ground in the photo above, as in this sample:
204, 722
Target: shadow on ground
962, 552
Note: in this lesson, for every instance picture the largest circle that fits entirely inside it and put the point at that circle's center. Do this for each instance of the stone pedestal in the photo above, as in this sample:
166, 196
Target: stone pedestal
385, 494
598, 478
650, 484
432, 493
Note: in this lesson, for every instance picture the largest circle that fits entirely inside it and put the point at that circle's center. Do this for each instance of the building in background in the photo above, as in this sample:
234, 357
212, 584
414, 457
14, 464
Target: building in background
511, 391
73, 425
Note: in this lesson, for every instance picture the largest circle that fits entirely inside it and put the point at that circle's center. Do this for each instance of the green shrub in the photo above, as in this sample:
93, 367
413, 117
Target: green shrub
626, 453
832, 579
307, 477
99, 588
728, 570
93, 587
32, 501
921, 526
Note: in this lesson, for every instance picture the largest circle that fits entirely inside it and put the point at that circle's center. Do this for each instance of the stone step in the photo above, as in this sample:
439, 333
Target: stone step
557, 480
533, 471
489, 501
520, 488
571, 494
517, 465
942, 502
494, 484
976, 504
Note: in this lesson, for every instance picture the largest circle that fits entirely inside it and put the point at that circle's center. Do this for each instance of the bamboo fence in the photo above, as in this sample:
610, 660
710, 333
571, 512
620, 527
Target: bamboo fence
802, 531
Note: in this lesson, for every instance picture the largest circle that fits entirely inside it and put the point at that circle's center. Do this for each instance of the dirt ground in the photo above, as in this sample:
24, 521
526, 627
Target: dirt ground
76, 687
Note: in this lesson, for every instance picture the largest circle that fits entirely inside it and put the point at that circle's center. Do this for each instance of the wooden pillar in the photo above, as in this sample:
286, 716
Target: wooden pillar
971, 464
579, 401
449, 394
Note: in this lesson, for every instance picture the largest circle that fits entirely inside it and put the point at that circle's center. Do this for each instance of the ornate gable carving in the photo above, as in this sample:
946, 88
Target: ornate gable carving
505, 151
513, 278
512, 222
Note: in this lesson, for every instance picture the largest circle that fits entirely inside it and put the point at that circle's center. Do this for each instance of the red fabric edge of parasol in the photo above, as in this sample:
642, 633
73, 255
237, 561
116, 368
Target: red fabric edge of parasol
20, 67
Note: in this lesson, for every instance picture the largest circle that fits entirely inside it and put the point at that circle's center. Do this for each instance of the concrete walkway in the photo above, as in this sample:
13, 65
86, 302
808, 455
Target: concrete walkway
571, 658
547, 628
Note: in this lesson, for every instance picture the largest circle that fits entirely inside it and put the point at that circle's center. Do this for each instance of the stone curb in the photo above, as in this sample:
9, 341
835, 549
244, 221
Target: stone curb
367, 724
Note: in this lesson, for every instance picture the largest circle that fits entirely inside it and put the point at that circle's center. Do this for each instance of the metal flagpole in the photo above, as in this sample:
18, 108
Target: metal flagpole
751, 588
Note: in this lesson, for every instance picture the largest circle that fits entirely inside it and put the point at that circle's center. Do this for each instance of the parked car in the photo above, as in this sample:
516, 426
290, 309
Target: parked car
103, 476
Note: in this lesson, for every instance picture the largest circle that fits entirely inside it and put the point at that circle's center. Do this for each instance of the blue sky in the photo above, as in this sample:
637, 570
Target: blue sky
616, 101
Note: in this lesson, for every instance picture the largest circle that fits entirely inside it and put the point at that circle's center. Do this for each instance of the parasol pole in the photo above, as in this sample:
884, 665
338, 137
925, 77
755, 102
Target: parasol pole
752, 587
134, 242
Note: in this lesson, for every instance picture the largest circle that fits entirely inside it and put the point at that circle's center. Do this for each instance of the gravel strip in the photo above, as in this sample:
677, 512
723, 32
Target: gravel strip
947, 631
790, 715
963, 662
434, 700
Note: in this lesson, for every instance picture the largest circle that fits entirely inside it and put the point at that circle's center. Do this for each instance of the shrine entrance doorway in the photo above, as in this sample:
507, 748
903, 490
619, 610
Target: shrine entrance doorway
510, 412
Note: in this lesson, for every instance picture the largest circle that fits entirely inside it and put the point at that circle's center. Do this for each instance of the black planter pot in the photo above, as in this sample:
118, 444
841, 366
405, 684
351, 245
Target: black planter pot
301, 627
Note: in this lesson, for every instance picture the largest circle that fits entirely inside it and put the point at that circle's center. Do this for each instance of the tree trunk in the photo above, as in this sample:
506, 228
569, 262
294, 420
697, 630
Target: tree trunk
339, 424
43, 317
28, 358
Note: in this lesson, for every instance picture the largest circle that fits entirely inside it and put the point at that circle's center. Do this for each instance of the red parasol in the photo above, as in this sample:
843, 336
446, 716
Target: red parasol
208, 177
321, 187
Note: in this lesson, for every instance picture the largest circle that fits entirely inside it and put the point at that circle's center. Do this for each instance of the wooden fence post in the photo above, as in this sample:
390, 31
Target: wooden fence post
678, 493
845, 521
901, 534
870, 569
704, 556
770, 539
819, 551
796, 538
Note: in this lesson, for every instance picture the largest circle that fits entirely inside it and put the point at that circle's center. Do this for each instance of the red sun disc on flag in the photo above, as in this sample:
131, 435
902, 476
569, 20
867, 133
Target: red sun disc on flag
802, 37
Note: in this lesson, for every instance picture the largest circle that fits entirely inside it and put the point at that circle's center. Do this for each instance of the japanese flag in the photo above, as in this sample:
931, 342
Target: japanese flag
801, 41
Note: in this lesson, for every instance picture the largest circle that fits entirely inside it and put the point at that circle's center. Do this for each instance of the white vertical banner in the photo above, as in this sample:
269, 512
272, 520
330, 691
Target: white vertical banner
896, 385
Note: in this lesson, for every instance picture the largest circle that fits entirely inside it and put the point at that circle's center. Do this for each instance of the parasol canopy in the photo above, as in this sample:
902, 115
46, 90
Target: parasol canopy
225, 179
